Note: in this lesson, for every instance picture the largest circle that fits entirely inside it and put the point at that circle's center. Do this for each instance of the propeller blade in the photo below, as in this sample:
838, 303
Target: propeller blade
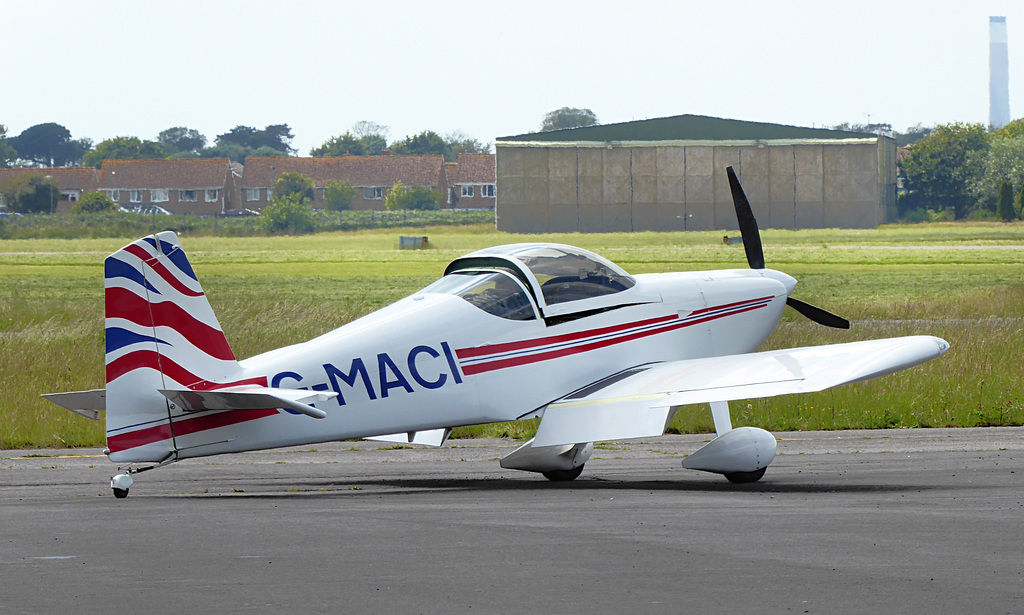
748, 225
818, 315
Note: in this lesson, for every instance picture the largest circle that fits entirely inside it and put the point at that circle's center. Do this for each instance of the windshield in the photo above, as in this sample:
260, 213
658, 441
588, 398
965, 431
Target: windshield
567, 275
494, 292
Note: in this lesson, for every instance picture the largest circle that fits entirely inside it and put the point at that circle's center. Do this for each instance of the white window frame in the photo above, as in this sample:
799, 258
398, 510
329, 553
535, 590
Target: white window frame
115, 195
487, 191
184, 194
252, 194
373, 193
135, 196
212, 194
159, 195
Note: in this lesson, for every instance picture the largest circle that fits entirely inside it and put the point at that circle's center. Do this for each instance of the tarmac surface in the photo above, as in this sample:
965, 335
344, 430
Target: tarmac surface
900, 521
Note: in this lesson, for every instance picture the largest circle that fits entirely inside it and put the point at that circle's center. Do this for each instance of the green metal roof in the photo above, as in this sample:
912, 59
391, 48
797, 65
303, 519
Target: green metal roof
686, 128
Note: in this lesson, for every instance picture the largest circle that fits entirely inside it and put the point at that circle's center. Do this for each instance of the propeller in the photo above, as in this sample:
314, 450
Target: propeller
755, 255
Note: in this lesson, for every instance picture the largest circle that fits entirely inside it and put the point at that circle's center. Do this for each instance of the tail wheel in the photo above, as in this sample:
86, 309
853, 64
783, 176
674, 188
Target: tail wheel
562, 476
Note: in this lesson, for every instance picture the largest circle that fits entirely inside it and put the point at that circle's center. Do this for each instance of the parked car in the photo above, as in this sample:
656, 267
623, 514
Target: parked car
148, 210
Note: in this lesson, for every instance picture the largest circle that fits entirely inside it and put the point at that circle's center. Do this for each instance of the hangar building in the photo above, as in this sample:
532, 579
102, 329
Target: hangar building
668, 174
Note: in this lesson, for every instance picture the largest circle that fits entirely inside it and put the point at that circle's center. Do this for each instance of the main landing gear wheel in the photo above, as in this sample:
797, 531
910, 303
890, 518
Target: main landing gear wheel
745, 477
120, 493
562, 476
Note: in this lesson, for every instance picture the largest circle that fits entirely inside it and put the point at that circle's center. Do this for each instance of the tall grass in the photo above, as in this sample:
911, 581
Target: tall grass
273, 291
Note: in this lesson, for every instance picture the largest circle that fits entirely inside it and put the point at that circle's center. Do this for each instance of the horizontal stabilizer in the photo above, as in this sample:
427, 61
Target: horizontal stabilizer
249, 397
634, 405
85, 403
430, 437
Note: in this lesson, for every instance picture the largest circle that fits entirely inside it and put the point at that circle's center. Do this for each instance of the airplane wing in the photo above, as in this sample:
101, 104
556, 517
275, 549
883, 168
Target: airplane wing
637, 403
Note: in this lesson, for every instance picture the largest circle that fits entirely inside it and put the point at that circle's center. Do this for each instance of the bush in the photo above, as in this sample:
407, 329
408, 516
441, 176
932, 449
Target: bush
94, 203
287, 213
288, 184
32, 194
338, 195
1004, 206
403, 197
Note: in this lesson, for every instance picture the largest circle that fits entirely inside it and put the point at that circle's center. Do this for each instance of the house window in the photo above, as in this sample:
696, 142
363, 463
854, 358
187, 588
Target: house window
115, 195
373, 193
69, 195
487, 190
135, 196
252, 194
467, 191
160, 195
186, 196
211, 196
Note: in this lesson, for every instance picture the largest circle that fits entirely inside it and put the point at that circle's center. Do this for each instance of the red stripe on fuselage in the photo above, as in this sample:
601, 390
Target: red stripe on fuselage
184, 427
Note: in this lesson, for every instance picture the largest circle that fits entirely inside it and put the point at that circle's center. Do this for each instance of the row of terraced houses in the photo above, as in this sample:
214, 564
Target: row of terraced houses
213, 186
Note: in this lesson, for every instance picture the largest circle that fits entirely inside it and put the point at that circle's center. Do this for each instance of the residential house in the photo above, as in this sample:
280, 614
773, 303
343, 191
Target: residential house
472, 186
192, 186
72, 182
372, 176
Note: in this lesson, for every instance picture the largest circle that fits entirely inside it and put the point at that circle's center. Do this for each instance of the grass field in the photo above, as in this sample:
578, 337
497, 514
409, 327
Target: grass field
962, 282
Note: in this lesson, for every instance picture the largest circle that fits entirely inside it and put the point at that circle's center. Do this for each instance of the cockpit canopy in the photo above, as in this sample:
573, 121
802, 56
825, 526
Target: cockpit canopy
550, 274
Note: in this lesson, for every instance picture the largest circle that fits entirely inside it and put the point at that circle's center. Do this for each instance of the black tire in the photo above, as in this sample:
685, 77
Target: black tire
562, 476
740, 478
120, 493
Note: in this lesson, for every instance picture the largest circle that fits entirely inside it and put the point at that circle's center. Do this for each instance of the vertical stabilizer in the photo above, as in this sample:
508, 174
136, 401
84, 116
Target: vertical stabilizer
161, 333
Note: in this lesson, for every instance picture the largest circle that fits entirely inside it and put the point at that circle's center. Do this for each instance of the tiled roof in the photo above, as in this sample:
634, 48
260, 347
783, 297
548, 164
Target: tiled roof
172, 173
360, 170
68, 178
476, 169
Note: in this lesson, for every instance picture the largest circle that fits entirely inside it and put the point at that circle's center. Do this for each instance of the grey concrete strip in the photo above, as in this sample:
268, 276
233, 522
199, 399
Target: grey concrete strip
908, 521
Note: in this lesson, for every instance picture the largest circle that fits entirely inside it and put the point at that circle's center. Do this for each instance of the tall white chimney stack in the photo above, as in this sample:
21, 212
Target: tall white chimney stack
998, 74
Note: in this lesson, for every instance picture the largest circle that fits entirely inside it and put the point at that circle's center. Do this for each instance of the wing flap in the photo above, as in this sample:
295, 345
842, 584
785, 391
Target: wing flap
631, 407
249, 397
430, 437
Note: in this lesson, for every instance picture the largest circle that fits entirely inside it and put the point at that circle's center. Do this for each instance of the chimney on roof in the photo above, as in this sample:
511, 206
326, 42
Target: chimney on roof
385, 152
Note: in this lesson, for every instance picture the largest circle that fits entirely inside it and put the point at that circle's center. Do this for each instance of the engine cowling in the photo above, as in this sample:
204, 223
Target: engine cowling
744, 449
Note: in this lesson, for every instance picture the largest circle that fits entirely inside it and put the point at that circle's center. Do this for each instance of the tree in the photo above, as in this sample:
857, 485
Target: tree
7, 153
568, 117
338, 195
181, 140
123, 148
342, 145
461, 143
287, 213
277, 137
405, 197
1004, 206
31, 194
49, 145
937, 168
94, 202
1002, 161
372, 135
294, 184
427, 142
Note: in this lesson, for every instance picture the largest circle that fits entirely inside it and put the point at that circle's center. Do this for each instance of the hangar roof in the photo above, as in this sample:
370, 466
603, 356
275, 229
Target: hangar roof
686, 128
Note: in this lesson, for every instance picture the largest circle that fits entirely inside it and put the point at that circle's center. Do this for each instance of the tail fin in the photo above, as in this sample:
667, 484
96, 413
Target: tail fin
161, 333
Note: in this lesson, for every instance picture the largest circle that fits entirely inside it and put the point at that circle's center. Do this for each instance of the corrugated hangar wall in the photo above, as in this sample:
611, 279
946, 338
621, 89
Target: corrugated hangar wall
671, 186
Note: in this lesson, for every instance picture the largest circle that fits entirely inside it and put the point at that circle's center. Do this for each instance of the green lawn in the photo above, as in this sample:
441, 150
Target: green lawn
963, 282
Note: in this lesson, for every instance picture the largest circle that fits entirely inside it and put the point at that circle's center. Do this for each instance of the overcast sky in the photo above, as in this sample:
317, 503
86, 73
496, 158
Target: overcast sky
105, 68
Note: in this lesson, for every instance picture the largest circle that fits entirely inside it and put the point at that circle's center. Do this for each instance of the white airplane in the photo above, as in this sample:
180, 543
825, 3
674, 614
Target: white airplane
531, 330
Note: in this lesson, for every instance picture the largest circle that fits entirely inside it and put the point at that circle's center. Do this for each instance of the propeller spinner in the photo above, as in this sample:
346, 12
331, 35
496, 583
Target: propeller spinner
755, 255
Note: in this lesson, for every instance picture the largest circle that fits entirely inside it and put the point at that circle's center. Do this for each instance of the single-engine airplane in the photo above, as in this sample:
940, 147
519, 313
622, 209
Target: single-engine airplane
530, 330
